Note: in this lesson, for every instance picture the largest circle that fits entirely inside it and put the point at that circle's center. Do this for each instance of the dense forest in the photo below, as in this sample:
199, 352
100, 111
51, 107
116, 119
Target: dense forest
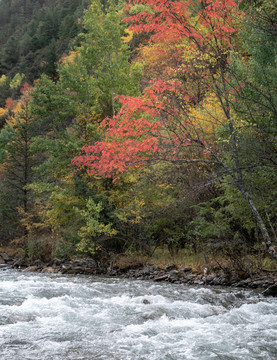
138, 126
34, 35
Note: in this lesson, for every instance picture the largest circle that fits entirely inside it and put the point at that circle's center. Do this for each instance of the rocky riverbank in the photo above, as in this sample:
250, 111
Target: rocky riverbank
264, 280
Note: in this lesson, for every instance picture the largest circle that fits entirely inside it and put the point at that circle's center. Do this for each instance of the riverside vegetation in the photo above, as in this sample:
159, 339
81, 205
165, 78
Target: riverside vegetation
140, 128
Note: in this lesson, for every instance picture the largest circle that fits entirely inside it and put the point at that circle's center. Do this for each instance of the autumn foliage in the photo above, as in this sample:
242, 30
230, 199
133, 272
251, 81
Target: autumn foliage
161, 123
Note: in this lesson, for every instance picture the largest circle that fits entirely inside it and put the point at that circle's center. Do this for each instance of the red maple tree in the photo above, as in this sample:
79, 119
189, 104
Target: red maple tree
156, 125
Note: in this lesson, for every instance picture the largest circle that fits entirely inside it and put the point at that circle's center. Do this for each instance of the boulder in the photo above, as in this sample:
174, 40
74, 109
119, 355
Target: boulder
146, 302
174, 275
149, 270
170, 267
31, 268
48, 269
161, 278
5, 257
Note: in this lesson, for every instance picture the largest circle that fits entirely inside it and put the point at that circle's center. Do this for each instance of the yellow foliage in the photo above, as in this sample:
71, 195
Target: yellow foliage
157, 57
207, 116
16, 81
129, 37
3, 112
3, 80
70, 59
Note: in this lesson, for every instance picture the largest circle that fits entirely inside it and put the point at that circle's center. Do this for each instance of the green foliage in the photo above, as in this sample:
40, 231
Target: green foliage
16, 163
93, 228
31, 31
61, 210
39, 248
100, 69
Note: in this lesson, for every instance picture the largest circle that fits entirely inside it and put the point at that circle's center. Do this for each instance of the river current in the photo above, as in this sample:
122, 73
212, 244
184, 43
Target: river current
57, 317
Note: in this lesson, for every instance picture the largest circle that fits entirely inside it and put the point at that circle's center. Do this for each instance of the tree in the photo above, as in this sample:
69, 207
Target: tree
10, 55
70, 110
160, 125
101, 63
16, 165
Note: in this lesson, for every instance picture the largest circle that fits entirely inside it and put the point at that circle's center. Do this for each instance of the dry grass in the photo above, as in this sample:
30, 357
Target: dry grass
12, 251
128, 261
184, 258
197, 261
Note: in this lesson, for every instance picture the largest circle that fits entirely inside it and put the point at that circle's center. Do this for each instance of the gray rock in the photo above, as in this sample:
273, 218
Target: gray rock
149, 269
210, 278
174, 275
258, 283
5, 257
190, 276
48, 269
161, 278
146, 302
244, 283
217, 280
170, 267
199, 282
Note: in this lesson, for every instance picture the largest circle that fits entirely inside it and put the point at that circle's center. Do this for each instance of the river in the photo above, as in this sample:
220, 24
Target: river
57, 317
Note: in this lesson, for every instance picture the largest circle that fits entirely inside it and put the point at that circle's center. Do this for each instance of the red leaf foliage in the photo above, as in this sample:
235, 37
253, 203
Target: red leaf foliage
151, 126
9, 103
25, 88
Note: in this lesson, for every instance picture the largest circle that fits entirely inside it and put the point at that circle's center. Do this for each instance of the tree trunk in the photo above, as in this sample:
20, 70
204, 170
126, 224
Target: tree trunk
270, 248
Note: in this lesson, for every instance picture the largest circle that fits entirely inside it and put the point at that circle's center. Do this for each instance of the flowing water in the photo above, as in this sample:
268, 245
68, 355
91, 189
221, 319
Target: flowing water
57, 317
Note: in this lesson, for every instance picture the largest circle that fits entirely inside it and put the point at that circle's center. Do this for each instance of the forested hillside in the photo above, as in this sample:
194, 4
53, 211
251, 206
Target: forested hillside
150, 125
35, 34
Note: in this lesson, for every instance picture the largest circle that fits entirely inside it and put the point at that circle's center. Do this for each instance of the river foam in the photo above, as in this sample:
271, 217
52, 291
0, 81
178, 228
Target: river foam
56, 317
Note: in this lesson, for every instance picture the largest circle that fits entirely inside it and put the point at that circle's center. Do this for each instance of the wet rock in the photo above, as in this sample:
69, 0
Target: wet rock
174, 275
186, 269
38, 263
57, 262
48, 269
258, 283
235, 277
113, 273
199, 282
92, 263
149, 270
146, 302
191, 276
20, 264
217, 280
153, 315
88, 271
65, 268
2, 261
31, 268
71, 272
210, 278
244, 283
271, 291
161, 278
170, 267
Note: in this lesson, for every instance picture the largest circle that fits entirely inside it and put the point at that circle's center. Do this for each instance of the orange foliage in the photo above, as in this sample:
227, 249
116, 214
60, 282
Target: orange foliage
9, 103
